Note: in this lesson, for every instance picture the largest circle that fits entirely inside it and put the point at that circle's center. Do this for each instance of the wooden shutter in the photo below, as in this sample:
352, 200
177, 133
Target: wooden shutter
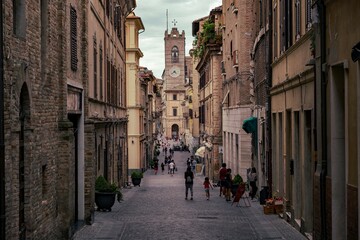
73, 39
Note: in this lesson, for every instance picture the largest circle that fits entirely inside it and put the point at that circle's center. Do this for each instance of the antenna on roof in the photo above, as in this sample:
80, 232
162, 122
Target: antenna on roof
167, 20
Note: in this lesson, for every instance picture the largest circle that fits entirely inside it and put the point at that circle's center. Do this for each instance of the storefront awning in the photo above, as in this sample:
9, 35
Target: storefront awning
250, 125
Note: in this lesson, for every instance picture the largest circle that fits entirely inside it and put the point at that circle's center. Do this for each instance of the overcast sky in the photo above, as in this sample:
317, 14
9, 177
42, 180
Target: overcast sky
153, 16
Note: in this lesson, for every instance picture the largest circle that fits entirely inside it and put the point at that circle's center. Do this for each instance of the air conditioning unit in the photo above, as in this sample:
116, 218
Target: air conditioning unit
235, 59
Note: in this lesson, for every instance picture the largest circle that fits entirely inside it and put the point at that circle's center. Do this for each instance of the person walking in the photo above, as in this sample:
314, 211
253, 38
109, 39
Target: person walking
228, 181
193, 165
189, 182
156, 167
222, 175
252, 179
162, 168
207, 185
172, 167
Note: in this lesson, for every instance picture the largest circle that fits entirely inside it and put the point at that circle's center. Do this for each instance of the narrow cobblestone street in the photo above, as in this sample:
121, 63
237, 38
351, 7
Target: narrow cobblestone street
158, 210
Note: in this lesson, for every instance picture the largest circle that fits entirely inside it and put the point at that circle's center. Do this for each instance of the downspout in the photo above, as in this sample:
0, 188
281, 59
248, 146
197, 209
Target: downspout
2, 133
268, 107
323, 173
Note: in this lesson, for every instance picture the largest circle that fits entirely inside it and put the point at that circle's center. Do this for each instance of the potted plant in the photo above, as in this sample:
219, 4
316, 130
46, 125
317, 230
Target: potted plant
237, 180
105, 194
136, 177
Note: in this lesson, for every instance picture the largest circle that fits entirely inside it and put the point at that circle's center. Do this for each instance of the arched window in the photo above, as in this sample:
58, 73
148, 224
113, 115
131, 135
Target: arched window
174, 54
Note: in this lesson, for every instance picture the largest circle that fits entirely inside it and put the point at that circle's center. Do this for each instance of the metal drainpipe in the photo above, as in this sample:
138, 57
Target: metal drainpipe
323, 173
268, 97
2, 134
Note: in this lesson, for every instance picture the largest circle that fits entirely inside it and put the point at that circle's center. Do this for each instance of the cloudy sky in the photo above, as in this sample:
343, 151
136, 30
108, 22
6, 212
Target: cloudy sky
153, 16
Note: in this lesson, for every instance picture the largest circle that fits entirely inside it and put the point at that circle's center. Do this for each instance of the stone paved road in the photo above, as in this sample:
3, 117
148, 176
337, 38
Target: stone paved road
158, 210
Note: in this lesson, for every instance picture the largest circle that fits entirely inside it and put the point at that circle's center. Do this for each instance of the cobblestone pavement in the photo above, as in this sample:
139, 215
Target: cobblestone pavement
158, 210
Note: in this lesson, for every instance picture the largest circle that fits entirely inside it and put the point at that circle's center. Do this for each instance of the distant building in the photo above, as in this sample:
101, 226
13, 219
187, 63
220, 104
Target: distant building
174, 83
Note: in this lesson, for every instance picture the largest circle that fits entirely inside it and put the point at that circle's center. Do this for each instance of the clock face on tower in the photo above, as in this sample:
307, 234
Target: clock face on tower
174, 71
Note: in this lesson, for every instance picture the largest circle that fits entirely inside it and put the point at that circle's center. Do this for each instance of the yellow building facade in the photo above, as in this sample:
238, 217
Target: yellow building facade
135, 99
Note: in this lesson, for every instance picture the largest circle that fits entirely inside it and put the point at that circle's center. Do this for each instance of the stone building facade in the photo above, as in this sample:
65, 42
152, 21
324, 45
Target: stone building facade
43, 88
210, 90
292, 110
261, 67
105, 134
63, 127
336, 181
135, 97
148, 88
237, 102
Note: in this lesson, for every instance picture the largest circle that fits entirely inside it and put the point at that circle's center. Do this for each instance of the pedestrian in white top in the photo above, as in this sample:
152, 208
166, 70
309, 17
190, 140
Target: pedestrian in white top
172, 167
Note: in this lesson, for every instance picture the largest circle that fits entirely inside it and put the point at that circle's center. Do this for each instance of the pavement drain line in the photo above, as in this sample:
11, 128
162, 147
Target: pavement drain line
272, 238
207, 217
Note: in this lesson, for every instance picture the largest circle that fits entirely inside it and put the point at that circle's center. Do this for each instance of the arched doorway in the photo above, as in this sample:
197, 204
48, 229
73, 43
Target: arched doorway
175, 131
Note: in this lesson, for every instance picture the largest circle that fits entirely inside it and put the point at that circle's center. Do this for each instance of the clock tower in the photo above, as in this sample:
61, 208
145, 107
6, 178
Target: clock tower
174, 82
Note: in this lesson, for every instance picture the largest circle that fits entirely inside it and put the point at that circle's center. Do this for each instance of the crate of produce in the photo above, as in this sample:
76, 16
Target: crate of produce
269, 209
278, 209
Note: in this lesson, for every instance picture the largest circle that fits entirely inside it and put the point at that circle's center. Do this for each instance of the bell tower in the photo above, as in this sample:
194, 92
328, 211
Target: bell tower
174, 82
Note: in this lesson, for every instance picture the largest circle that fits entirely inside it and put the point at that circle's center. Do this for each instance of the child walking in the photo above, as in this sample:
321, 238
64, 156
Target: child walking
207, 186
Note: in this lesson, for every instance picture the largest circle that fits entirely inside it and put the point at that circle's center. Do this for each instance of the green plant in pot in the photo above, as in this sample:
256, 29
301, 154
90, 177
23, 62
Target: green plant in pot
105, 193
136, 177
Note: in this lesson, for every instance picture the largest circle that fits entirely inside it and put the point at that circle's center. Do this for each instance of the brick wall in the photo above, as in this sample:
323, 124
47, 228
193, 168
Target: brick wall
35, 88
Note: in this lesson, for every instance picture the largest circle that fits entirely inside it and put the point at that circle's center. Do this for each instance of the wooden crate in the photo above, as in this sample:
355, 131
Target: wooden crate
278, 209
269, 209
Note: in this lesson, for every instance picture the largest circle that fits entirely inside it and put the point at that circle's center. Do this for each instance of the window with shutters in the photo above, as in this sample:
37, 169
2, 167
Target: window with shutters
108, 83
202, 80
275, 27
261, 13
297, 19
107, 7
308, 15
95, 68
19, 18
101, 73
44, 15
190, 113
73, 39
112, 79
282, 26
119, 25
111, 11
115, 16
285, 24
288, 23
116, 86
